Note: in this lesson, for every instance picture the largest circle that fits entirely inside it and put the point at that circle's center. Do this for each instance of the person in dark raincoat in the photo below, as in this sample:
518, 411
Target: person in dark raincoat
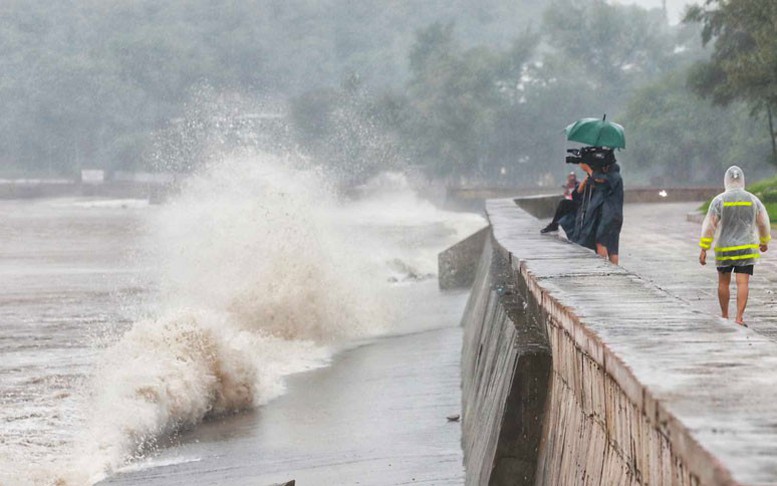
601, 218
567, 207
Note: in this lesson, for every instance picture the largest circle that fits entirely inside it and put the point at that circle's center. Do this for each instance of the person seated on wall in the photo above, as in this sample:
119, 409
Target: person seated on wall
566, 210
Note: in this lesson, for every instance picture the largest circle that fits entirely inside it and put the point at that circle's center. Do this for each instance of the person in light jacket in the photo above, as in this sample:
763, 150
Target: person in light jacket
738, 223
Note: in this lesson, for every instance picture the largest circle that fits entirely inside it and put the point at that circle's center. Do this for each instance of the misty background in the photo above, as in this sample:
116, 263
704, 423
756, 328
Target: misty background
461, 92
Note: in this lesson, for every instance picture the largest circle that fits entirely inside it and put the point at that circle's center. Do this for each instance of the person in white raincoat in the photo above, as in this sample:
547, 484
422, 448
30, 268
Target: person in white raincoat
738, 223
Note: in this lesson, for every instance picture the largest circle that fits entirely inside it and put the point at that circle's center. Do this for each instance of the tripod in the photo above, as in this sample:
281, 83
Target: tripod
583, 208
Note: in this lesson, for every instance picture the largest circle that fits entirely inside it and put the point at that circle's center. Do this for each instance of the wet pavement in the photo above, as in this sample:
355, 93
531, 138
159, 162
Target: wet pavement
659, 244
707, 384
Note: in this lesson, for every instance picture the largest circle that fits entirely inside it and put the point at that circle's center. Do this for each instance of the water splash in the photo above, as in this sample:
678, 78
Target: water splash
257, 283
263, 272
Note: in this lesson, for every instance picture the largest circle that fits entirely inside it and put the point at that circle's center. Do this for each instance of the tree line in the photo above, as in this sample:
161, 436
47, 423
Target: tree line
484, 115
87, 83
473, 93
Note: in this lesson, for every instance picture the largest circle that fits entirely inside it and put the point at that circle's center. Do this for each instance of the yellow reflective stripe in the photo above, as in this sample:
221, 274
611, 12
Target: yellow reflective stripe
766, 239
738, 203
706, 246
738, 257
734, 248
706, 240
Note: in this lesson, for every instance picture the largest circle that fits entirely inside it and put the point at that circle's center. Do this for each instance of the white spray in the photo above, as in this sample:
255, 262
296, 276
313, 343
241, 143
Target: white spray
263, 273
257, 283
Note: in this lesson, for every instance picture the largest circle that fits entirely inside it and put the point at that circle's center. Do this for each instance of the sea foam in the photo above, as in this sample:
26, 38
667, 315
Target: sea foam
257, 283
263, 271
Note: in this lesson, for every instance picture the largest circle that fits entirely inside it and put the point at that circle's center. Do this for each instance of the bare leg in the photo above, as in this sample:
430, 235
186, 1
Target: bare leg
614, 258
743, 290
601, 250
724, 280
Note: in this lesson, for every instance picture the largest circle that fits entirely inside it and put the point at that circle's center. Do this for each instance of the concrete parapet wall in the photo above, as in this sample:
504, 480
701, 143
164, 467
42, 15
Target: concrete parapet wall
542, 206
505, 369
10, 189
473, 199
595, 433
458, 265
29, 190
644, 390
678, 194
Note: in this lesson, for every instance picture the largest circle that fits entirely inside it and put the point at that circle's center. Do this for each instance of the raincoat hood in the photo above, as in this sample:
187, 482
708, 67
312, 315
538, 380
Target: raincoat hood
734, 179
736, 223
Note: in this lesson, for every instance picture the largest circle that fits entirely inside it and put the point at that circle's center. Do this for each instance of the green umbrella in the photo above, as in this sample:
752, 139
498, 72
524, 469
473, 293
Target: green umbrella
597, 133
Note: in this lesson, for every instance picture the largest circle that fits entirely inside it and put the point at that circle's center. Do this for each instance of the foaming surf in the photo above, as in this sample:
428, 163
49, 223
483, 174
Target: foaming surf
263, 272
256, 284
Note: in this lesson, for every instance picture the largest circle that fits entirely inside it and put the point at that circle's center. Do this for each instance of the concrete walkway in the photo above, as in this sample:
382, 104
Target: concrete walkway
706, 385
659, 244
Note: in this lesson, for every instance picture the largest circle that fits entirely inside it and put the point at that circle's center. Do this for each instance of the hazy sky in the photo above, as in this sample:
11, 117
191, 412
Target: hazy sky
675, 7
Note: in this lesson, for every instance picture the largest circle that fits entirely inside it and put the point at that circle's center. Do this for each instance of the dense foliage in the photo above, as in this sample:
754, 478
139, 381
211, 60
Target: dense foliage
85, 83
471, 92
744, 61
680, 139
766, 190
486, 115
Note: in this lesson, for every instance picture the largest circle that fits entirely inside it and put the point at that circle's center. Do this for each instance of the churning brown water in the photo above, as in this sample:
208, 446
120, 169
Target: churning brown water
124, 323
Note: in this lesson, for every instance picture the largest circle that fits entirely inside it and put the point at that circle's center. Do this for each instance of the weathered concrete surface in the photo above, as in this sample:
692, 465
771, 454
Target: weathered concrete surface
10, 189
646, 389
474, 198
669, 195
543, 206
505, 370
458, 265
671, 262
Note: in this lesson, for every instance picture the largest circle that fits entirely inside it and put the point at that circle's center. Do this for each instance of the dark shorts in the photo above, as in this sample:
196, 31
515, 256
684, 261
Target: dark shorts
748, 269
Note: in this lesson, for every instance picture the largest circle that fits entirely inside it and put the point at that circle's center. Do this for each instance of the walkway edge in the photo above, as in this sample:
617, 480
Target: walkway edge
644, 390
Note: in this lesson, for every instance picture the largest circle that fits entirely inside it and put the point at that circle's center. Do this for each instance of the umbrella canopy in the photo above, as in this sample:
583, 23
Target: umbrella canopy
597, 133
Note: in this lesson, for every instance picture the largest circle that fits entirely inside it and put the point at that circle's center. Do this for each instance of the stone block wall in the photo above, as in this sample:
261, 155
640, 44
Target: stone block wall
578, 372
595, 434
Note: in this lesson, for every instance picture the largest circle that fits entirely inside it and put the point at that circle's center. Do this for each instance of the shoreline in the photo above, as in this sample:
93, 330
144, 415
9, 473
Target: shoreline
376, 415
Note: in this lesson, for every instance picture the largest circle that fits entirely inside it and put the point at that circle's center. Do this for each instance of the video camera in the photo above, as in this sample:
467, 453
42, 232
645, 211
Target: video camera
596, 157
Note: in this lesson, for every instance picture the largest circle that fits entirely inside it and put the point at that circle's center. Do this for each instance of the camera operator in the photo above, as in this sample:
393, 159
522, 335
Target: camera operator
600, 224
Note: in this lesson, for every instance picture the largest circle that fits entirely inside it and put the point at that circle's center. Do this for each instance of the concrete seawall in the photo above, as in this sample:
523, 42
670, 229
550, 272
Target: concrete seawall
473, 199
505, 370
63, 188
575, 371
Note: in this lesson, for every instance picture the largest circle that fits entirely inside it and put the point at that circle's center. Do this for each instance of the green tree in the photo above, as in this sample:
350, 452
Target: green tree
455, 95
88, 82
683, 140
743, 65
615, 48
348, 130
